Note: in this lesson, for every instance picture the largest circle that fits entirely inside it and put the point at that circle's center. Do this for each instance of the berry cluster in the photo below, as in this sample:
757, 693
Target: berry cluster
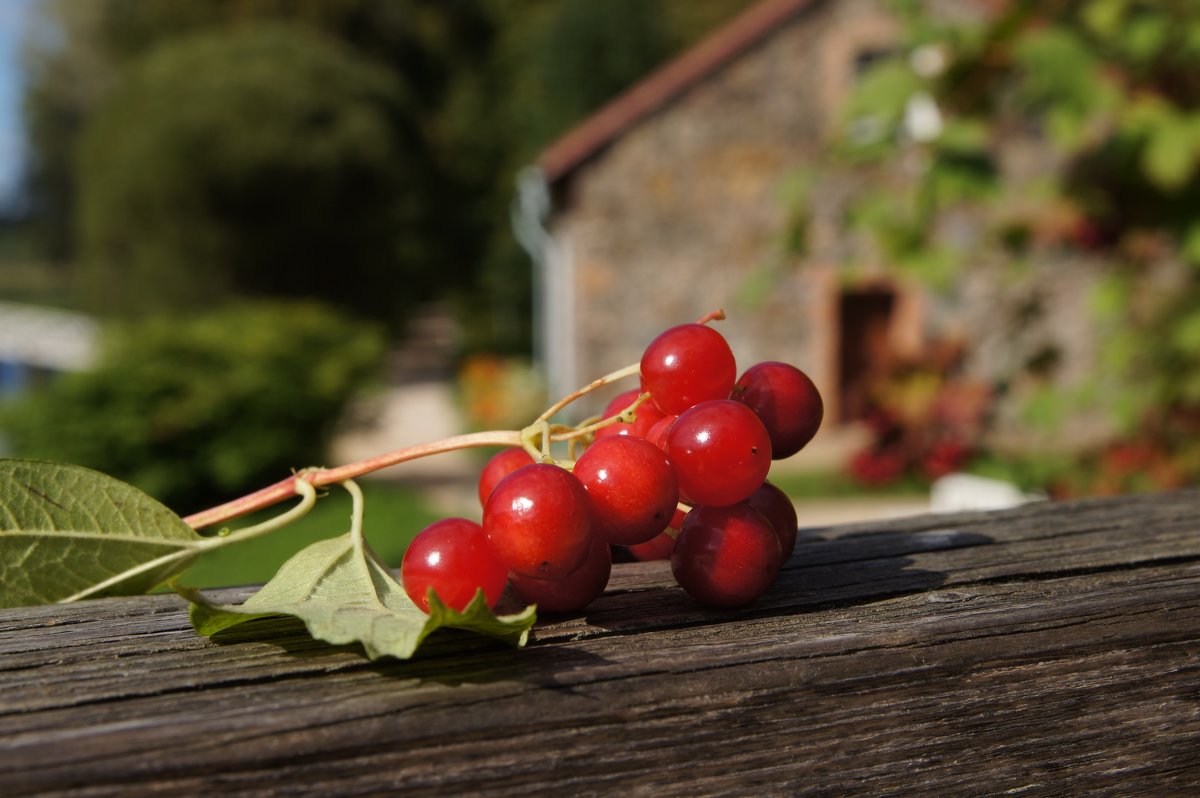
674, 469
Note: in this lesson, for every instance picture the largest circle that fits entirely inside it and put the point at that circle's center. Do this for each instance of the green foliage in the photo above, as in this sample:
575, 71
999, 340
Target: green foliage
268, 161
193, 409
483, 86
1061, 131
67, 531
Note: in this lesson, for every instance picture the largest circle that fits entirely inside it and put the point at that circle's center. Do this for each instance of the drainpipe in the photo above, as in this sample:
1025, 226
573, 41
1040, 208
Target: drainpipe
553, 283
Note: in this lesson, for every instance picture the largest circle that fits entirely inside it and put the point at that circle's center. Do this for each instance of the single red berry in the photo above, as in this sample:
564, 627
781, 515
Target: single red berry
721, 452
786, 400
616, 406
631, 487
616, 429
777, 508
574, 591
726, 556
660, 546
687, 364
645, 417
621, 401
452, 558
538, 521
498, 466
657, 434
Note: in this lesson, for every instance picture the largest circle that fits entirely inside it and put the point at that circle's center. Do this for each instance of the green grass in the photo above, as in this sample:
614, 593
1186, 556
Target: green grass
392, 516
835, 484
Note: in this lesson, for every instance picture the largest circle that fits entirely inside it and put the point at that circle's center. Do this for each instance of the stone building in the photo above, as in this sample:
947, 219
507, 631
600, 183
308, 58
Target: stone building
669, 203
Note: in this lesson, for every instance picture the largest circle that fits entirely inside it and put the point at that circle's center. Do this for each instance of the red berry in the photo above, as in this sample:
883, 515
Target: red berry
726, 556
779, 510
538, 521
621, 401
452, 557
500, 465
631, 487
615, 430
645, 417
574, 591
687, 364
786, 400
616, 406
660, 546
657, 434
721, 452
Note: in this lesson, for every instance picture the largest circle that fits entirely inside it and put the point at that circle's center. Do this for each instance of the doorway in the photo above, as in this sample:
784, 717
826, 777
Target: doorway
865, 347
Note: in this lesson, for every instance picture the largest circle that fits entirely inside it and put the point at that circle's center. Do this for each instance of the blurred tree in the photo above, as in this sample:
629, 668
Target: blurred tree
266, 161
196, 409
487, 84
67, 72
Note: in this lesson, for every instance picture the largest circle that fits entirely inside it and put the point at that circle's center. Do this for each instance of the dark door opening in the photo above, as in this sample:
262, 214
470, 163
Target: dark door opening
864, 347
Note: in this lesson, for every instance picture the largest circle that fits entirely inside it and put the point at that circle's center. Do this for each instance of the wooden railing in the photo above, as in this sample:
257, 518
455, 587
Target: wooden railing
1051, 649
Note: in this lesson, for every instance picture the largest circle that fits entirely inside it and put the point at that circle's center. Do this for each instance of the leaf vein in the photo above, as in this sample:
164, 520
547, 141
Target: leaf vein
41, 495
38, 534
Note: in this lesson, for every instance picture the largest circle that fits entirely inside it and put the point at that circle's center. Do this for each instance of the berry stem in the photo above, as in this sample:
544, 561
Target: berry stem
356, 533
628, 371
318, 477
541, 431
716, 315
591, 425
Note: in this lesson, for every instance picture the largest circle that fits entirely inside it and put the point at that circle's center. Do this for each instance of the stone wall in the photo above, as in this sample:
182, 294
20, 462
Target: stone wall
684, 213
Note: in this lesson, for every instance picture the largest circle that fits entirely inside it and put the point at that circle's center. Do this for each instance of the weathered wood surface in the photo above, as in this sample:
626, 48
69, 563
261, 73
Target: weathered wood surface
1053, 649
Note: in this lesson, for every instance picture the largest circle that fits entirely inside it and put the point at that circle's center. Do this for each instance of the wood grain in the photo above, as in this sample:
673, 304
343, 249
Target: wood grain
1053, 649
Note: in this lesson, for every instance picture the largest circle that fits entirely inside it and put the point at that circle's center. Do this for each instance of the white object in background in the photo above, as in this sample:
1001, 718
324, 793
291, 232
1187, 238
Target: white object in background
958, 492
47, 337
922, 118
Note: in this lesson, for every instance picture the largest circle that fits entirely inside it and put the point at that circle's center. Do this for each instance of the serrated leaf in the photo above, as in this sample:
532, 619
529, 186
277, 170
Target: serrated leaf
67, 531
345, 594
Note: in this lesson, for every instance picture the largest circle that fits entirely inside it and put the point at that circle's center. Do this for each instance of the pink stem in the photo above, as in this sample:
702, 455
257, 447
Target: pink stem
286, 488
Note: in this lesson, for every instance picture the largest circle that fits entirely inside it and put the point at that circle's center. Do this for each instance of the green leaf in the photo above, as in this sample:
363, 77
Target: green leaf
1185, 335
1170, 155
344, 594
1060, 78
1190, 247
1045, 408
1143, 37
1109, 297
68, 532
935, 266
875, 109
1104, 17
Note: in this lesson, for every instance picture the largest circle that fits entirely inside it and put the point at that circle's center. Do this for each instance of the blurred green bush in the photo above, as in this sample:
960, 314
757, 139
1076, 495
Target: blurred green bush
198, 409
